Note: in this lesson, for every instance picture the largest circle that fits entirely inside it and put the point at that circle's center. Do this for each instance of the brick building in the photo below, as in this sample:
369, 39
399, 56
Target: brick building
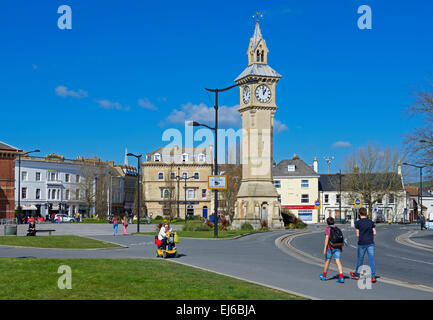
7, 180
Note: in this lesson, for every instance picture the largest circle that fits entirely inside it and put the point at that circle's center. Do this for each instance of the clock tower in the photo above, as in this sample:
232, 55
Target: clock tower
257, 199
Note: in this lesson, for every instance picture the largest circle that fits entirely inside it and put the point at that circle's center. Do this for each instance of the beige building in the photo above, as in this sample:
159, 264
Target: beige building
165, 173
297, 184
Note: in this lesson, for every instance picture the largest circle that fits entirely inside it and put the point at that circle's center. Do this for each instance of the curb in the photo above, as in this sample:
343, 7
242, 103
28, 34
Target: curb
405, 240
246, 280
284, 244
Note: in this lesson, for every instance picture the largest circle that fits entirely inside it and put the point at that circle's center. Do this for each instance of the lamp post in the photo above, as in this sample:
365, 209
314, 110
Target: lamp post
138, 187
215, 130
19, 174
420, 181
339, 202
184, 178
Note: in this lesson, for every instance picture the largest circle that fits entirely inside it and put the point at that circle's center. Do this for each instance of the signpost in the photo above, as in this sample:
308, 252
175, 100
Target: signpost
317, 204
356, 204
217, 182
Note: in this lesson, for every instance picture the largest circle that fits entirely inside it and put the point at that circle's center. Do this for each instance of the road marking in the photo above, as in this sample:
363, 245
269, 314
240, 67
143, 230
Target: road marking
390, 255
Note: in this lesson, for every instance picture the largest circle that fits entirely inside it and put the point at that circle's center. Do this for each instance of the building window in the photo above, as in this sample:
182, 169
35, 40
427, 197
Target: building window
38, 194
157, 157
52, 176
77, 194
172, 176
160, 175
77, 178
38, 176
191, 194
391, 199
203, 193
67, 177
305, 198
379, 201
67, 194
277, 183
326, 198
23, 176
304, 184
337, 198
58, 194
196, 175
165, 194
279, 198
201, 157
291, 168
23, 193
185, 157
184, 175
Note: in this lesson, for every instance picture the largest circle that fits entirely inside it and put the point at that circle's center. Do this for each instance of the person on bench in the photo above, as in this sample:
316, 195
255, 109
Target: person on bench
32, 229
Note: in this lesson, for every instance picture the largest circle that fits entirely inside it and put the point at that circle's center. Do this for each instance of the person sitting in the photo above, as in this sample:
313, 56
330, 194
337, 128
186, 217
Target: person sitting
32, 229
162, 236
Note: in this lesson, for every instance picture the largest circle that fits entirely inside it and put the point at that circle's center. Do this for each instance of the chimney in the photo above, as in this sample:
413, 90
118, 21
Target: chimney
315, 165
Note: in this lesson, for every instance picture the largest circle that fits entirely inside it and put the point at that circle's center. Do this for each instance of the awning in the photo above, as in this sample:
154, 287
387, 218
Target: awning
29, 207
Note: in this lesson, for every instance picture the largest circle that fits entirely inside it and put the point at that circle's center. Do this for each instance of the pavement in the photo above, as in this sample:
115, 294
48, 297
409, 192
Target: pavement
84, 229
424, 238
257, 258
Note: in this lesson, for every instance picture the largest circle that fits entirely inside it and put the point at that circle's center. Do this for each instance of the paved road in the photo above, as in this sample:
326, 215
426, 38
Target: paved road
393, 260
254, 257
424, 237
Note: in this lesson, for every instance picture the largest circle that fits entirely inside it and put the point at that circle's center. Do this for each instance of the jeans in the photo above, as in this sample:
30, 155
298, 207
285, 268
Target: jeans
333, 252
361, 253
115, 228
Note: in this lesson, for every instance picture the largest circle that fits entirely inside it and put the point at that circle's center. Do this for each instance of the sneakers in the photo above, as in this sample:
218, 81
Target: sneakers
340, 280
354, 276
322, 277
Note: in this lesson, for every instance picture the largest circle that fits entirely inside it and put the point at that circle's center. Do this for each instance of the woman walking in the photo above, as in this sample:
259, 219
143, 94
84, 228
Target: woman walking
115, 224
125, 225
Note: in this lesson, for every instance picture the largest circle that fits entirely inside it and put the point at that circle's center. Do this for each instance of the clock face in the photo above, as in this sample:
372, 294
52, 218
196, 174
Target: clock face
247, 94
263, 93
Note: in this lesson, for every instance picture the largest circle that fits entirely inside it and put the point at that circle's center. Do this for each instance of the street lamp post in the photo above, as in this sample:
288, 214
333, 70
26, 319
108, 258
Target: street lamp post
19, 174
339, 202
138, 187
215, 130
420, 181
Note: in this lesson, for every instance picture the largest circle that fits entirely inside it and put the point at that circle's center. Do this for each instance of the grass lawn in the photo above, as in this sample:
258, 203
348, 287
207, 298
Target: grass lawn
63, 242
123, 279
207, 234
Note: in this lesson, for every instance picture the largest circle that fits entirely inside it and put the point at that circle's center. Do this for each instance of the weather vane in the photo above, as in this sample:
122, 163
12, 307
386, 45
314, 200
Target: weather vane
257, 16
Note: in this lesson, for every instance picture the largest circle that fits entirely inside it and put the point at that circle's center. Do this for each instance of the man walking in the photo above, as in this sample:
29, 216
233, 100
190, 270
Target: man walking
422, 221
365, 231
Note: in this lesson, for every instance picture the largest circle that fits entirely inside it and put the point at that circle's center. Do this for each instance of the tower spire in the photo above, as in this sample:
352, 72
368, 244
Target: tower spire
125, 162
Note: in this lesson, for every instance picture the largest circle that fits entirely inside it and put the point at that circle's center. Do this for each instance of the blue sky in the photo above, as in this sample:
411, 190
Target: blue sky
128, 70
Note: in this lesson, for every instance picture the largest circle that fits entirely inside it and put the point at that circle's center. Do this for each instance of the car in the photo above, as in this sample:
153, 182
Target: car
63, 218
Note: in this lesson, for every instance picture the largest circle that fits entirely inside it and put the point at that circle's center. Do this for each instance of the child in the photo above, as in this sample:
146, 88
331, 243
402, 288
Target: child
329, 252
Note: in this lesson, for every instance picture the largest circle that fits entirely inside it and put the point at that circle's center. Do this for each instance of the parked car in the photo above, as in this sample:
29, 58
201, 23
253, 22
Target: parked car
63, 218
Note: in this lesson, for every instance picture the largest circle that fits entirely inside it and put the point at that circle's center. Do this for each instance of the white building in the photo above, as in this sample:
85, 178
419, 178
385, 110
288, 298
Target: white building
52, 185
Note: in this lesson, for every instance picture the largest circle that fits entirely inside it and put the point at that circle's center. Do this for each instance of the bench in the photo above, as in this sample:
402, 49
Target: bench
44, 230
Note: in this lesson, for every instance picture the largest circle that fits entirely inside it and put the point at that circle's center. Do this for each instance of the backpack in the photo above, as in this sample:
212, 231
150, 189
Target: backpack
336, 238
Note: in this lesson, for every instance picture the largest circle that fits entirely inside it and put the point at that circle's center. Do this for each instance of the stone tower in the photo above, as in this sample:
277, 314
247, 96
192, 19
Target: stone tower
257, 199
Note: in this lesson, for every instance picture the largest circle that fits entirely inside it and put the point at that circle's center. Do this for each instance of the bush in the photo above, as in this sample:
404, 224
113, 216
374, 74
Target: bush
291, 221
93, 220
196, 226
247, 227
158, 218
224, 224
263, 225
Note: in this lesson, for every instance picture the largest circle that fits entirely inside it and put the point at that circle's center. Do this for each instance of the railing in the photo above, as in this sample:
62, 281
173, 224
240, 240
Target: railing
7, 221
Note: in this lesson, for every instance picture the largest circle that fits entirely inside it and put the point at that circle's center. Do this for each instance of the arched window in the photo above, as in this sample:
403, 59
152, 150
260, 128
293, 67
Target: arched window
160, 175
185, 157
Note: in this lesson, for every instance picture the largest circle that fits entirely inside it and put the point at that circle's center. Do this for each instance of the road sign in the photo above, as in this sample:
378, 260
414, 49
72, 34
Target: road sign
217, 182
317, 204
357, 203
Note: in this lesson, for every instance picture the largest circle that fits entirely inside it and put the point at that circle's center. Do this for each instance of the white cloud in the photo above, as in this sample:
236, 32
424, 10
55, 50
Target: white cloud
342, 144
203, 113
145, 103
106, 104
62, 91
279, 126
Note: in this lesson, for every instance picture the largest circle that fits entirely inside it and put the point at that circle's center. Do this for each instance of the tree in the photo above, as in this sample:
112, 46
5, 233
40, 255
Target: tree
420, 141
228, 197
371, 173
